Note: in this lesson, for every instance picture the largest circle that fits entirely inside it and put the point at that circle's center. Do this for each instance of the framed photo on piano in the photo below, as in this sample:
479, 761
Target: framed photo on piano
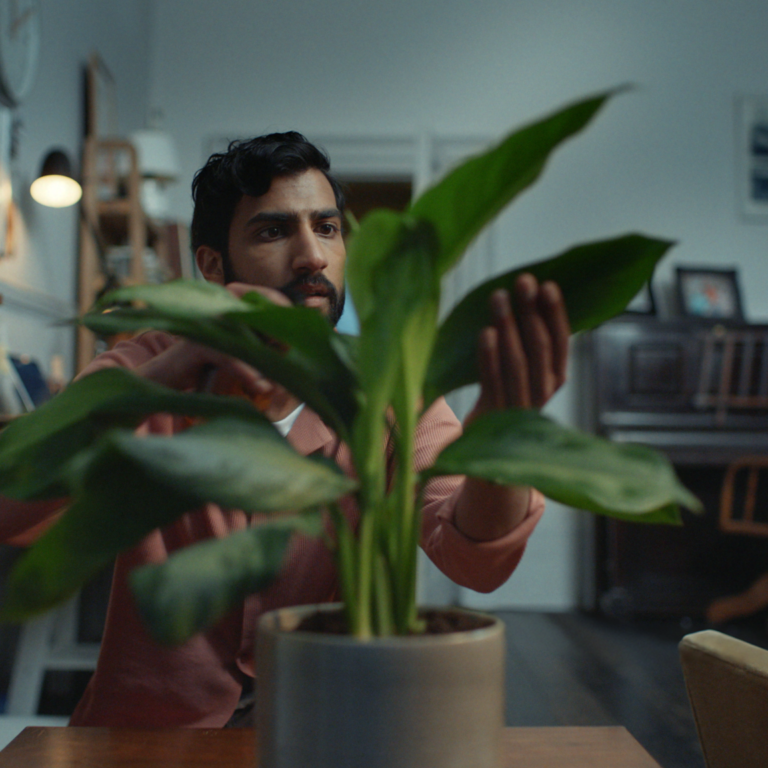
709, 294
644, 303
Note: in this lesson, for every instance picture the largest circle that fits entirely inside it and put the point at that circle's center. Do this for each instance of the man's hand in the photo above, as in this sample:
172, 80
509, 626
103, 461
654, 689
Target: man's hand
190, 366
523, 360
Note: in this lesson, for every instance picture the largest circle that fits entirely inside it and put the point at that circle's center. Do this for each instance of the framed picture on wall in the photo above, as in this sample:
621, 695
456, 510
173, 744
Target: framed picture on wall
752, 156
6, 183
709, 293
101, 99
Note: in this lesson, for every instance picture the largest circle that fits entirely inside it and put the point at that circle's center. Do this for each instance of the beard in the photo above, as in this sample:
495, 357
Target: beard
292, 290
335, 298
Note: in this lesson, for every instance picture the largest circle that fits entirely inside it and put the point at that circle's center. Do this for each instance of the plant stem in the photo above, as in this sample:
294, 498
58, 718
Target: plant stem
371, 470
362, 627
411, 612
383, 599
345, 563
404, 565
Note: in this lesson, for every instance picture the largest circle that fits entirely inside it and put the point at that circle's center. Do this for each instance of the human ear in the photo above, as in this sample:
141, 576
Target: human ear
210, 264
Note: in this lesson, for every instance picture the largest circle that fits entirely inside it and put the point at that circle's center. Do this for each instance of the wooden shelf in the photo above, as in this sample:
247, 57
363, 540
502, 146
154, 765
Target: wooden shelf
117, 208
113, 227
110, 167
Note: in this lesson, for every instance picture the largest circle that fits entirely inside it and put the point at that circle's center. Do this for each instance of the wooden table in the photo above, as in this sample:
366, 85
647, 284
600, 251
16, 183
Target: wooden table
36, 747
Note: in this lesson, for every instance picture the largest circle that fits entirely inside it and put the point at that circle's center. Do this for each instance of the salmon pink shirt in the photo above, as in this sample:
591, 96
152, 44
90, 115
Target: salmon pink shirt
138, 683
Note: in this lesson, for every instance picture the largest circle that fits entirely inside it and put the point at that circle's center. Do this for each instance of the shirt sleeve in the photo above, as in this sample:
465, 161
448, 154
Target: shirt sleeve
480, 565
22, 522
131, 353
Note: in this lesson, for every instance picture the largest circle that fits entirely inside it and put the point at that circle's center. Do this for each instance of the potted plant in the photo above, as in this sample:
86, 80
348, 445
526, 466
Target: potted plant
82, 445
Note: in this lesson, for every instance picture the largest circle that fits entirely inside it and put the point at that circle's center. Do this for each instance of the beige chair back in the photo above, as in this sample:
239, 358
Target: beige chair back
727, 682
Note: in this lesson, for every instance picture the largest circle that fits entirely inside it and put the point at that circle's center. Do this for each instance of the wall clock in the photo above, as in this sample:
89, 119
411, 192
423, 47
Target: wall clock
19, 48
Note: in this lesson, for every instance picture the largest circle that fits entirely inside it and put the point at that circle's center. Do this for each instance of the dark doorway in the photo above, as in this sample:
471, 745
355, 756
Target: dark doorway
363, 196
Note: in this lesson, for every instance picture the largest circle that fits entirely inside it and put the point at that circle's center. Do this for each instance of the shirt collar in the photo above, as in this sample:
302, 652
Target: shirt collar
309, 434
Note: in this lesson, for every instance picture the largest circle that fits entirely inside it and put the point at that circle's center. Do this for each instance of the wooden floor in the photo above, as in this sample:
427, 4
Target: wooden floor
575, 669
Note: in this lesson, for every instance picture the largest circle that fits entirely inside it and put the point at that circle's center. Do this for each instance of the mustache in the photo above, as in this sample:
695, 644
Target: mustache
296, 291
293, 289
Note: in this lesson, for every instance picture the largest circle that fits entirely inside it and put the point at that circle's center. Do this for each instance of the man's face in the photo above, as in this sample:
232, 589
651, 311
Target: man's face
290, 239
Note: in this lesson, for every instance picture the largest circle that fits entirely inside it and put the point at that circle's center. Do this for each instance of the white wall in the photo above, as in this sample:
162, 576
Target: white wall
38, 280
660, 159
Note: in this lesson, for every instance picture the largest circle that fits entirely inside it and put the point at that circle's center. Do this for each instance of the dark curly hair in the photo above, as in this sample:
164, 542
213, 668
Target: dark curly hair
247, 168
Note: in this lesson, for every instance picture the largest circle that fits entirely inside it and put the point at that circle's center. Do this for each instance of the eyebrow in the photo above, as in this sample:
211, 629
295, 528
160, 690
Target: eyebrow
290, 217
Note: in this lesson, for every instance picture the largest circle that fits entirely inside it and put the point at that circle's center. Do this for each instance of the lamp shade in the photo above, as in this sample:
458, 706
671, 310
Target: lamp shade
156, 154
56, 185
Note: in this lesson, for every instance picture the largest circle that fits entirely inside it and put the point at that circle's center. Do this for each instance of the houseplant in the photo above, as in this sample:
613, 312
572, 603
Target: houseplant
82, 445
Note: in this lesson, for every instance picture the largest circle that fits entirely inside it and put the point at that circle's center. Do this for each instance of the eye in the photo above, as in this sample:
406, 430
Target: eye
271, 233
328, 228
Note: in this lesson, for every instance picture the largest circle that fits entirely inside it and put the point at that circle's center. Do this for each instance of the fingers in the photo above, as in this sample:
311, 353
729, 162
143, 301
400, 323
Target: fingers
552, 308
513, 364
536, 340
236, 377
492, 392
524, 355
233, 377
186, 365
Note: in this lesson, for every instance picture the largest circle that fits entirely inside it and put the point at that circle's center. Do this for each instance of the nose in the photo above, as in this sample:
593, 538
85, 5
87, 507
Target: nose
309, 256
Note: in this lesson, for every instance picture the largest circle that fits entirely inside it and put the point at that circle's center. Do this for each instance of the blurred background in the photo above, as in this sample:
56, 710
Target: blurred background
396, 92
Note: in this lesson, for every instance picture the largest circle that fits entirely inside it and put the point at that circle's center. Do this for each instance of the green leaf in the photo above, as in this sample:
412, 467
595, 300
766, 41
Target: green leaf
115, 511
597, 279
312, 366
388, 260
198, 585
368, 248
36, 449
132, 485
460, 205
522, 447
314, 344
303, 330
395, 286
237, 465
177, 299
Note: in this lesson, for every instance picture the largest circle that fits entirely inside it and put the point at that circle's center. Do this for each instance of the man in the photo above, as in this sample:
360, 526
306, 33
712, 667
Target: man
268, 217
285, 237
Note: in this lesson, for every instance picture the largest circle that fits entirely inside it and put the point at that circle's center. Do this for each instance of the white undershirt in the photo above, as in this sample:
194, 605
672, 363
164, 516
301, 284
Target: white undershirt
284, 425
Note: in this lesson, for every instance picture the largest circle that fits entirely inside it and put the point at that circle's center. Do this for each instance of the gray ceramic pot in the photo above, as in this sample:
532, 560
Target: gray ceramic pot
330, 701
